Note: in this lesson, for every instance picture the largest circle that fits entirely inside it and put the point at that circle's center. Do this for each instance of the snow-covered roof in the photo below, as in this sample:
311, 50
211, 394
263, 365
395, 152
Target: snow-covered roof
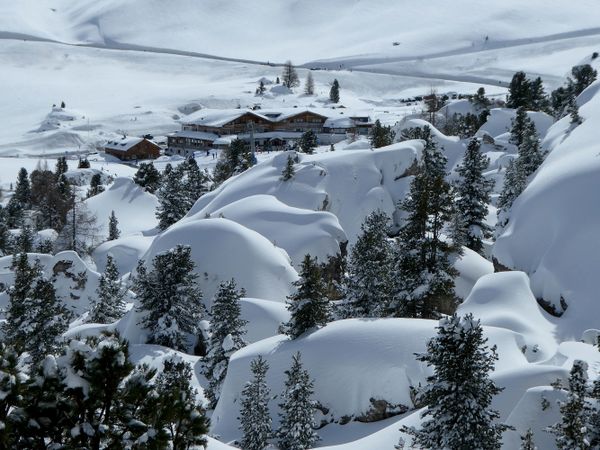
218, 118
123, 144
195, 135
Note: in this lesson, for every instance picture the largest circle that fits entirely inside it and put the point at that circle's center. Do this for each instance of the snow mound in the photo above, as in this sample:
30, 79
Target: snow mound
223, 249
126, 251
263, 316
471, 267
499, 122
134, 207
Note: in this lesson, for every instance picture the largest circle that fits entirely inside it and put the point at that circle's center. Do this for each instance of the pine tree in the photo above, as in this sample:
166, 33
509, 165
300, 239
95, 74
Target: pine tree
538, 100
309, 85
584, 75
260, 90
12, 379
308, 142
289, 76
171, 200
288, 171
473, 191
255, 420
381, 135
61, 167
147, 177
573, 111
20, 201
334, 92
109, 305
297, 427
370, 281
480, 101
196, 182
309, 306
515, 182
519, 91
527, 441
233, 160
5, 237
170, 299
459, 393
24, 241
113, 227
95, 185
520, 126
425, 275
227, 337
83, 163
573, 431
530, 154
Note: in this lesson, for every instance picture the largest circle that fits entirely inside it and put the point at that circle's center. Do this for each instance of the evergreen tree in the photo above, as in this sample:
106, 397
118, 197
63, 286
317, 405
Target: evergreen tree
527, 441
530, 154
196, 182
480, 101
5, 237
113, 227
289, 76
24, 241
515, 182
12, 379
459, 393
171, 200
109, 305
474, 195
520, 126
20, 201
61, 167
573, 111
51, 198
255, 420
370, 281
538, 100
288, 171
297, 427
559, 99
381, 135
80, 232
170, 299
260, 90
309, 85
573, 431
233, 160
147, 177
227, 337
83, 163
425, 275
519, 91
95, 185
583, 75
308, 142
309, 306
334, 92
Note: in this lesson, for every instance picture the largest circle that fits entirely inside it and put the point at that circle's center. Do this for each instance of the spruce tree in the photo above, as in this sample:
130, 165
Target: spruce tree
109, 304
573, 111
23, 243
227, 336
196, 182
297, 428
460, 392
308, 306
370, 282
233, 160
334, 92
83, 163
288, 171
425, 274
260, 90
309, 85
515, 182
95, 185
20, 201
519, 91
147, 177
381, 135
171, 200
170, 299
538, 100
530, 154
308, 142
5, 237
113, 227
583, 75
573, 432
480, 101
255, 419
12, 379
289, 76
474, 194
527, 441
61, 167
519, 128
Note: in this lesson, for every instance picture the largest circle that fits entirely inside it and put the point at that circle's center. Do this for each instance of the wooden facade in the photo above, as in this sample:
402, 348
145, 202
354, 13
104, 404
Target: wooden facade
142, 149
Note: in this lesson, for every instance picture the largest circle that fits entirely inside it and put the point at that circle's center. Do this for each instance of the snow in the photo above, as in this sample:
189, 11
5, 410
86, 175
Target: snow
499, 122
126, 251
264, 318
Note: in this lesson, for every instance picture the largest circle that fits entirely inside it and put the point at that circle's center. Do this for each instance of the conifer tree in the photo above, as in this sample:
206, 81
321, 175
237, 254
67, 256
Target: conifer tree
113, 227
425, 275
538, 100
109, 304
20, 201
289, 76
170, 299
334, 92
83, 163
24, 241
527, 441
233, 160
260, 90
520, 126
297, 428
308, 142
460, 392
12, 379
309, 306
480, 101
573, 111
530, 154
309, 85
95, 185
227, 336
573, 432
370, 282
5, 237
147, 177
583, 75
519, 91
196, 182
473, 191
61, 167
255, 419
515, 182
171, 200
289, 170
80, 232
381, 135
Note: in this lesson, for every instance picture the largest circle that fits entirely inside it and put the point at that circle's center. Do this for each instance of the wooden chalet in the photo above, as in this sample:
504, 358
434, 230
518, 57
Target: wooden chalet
132, 148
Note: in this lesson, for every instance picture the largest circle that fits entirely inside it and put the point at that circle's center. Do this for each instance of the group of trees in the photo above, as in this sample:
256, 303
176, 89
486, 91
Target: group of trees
297, 428
290, 79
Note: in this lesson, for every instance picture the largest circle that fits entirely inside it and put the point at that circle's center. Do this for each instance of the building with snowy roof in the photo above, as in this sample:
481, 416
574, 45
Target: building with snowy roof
132, 148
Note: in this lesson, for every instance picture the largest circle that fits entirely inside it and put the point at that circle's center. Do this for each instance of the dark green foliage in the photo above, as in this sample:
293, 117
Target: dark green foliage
381, 135
473, 193
196, 182
147, 177
233, 160
297, 428
410, 133
227, 336
309, 306
113, 227
518, 91
308, 142
465, 125
172, 204
109, 304
83, 163
20, 201
61, 167
170, 299
255, 420
5, 237
527, 441
334, 92
95, 185
583, 76
480, 101
573, 111
51, 198
289, 76
515, 182
519, 126
23, 243
288, 171
459, 393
